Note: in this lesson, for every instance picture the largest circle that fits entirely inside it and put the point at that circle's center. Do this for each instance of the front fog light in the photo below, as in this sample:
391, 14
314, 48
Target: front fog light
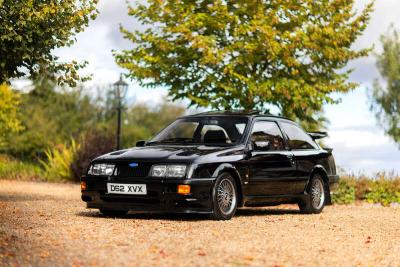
176, 170
183, 189
83, 186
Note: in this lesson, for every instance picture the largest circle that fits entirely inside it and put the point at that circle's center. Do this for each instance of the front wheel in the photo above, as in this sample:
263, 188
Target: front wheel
314, 201
224, 197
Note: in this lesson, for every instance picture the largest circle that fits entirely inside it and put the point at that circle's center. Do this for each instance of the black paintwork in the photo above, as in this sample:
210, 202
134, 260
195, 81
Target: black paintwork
262, 177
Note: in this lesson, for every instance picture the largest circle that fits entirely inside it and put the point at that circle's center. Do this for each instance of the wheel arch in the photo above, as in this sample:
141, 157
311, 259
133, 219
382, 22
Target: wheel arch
231, 169
321, 171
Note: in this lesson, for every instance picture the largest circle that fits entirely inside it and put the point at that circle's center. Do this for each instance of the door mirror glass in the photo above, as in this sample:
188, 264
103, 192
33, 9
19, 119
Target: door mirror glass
141, 143
261, 145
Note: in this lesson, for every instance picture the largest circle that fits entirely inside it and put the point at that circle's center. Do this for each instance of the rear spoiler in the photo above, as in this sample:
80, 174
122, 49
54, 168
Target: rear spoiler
317, 135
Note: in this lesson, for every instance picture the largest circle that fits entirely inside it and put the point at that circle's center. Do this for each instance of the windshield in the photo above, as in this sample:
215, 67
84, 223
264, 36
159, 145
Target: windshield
215, 130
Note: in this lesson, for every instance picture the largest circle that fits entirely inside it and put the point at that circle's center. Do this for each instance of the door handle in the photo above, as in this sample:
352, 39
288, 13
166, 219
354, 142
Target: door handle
290, 157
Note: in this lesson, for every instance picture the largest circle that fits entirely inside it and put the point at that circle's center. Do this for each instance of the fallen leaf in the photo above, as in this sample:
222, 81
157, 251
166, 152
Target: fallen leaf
248, 258
44, 254
201, 253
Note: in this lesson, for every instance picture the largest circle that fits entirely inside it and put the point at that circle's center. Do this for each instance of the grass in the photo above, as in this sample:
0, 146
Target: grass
18, 170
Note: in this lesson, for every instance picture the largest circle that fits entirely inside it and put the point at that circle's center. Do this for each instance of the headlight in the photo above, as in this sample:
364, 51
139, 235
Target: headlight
168, 171
158, 170
104, 169
176, 170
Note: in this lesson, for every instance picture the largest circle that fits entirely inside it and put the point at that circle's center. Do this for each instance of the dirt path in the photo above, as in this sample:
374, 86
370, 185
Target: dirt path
47, 225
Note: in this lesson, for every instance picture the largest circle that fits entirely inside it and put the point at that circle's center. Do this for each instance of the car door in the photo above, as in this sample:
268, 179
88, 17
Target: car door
305, 152
271, 166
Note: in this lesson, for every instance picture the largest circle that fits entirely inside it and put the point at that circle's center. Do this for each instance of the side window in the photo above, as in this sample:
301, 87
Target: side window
298, 139
267, 131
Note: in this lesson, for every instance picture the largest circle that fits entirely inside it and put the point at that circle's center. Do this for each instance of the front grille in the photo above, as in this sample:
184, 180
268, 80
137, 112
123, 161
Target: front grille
124, 170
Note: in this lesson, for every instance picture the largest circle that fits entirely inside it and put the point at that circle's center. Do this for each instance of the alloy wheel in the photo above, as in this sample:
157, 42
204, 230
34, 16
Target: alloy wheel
317, 194
226, 196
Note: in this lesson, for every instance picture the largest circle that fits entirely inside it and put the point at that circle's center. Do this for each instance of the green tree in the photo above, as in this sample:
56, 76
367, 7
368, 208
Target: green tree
386, 99
9, 121
143, 122
30, 30
50, 116
246, 54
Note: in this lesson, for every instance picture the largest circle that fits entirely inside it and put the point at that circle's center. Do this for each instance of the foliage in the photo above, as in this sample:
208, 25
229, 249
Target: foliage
246, 54
142, 122
57, 167
382, 188
93, 144
384, 192
11, 168
30, 30
9, 103
386, 100
50, 116
345, 193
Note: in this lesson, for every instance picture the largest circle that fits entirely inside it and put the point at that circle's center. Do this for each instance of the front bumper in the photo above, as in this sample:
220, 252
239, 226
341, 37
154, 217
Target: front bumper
161, 195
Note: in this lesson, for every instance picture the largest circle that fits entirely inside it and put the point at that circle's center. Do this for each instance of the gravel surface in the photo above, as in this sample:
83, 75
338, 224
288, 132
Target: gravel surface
45, 224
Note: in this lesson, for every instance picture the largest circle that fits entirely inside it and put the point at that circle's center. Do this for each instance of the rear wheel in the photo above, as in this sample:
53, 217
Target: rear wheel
113, 213
314, 201
224, 197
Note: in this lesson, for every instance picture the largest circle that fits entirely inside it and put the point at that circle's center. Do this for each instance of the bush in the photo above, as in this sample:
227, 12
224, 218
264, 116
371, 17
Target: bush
11, 168
382, 188
345, 193
59, 160
384, 191
93, 144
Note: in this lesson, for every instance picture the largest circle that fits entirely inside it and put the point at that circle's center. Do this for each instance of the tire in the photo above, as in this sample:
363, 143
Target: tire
225, 197
113, 213
315, 199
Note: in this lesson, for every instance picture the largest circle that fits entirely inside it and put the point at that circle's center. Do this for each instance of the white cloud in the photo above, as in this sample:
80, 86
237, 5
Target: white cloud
356, 139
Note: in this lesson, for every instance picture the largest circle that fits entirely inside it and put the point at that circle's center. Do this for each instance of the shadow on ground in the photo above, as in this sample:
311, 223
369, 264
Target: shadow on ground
189, 217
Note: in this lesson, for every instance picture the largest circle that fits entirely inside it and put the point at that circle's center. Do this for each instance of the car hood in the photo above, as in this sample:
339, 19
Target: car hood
162, 153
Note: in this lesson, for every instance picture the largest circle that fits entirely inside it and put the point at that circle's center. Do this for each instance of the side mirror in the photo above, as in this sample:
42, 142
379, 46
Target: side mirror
261, 145
141, 143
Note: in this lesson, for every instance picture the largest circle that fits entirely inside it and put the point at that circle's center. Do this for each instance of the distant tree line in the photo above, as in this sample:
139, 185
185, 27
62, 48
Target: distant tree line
50, 115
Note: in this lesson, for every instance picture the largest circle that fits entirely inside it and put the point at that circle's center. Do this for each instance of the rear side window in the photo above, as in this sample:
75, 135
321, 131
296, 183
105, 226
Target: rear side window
298, 139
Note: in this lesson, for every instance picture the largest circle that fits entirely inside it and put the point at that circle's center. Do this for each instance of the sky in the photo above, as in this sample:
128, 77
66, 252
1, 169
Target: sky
359, 143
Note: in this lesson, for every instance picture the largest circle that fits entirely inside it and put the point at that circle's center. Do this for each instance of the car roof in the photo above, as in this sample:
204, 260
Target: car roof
247, 113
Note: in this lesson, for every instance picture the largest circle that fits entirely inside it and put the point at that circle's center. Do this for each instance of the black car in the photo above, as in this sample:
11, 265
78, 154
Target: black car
213, 163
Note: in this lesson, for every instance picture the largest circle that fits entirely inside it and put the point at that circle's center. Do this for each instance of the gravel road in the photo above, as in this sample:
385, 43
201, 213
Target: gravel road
45, 224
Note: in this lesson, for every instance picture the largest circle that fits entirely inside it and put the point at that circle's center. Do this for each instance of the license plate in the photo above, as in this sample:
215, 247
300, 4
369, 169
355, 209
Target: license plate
127, 189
